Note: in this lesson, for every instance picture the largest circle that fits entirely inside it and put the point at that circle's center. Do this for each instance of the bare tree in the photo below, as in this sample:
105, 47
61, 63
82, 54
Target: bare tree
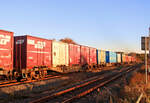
68, 40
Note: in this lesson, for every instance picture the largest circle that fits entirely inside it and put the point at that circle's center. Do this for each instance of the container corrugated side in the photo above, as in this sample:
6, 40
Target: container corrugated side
107, 57
85, 55
123, 58
118, 58
93, 59
133, 59
32, 52
102, 56
6, 50
130, 58
74, 54
113, 57
38, 52
60, 54
127, 58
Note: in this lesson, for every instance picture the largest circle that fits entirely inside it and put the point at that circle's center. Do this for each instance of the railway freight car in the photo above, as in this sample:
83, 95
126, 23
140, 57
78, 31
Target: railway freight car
60, 56
93, 58
74, 54
74, 57
6, 53
133, 59
85, 55
101, 57
123, 58
119, 58
128, 59
111, 57
32, 56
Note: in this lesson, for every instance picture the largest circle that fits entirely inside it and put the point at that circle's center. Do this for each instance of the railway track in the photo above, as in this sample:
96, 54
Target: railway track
14, 82
75, 92
24, 81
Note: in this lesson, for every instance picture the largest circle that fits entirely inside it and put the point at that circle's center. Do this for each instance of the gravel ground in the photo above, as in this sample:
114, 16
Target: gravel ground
110, 93
23, 93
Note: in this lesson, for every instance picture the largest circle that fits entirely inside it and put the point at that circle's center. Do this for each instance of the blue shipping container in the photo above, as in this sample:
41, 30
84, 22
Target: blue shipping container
107, 57
111, 57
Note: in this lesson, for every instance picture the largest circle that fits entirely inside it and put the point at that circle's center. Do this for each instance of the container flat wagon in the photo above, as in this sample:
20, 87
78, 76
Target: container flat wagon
32, 56
6, 53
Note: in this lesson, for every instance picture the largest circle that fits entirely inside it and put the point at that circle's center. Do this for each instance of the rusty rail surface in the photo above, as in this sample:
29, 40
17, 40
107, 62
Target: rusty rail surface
82, 89
24, 81
14, 82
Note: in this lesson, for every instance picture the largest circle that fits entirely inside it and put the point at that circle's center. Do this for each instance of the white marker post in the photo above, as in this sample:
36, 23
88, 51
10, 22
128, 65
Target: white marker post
145, 46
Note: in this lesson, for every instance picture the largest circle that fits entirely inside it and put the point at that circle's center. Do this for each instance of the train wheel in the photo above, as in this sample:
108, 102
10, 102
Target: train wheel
30, 76
41, 74
37, 76
44, 73
89, 67
9, 76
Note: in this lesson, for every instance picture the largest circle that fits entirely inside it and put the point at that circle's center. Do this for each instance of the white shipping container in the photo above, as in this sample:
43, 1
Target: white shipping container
102, 56
60, 54
118, 58
124, 58
98, 57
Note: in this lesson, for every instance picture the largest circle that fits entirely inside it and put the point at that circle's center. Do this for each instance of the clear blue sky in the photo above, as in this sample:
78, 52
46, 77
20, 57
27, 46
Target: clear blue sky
105, 24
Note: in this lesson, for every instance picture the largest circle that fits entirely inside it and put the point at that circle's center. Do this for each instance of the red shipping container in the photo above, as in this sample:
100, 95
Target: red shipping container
6, 51
32, 52
130, 58
93, 57
85, 55
74, 54
127, 59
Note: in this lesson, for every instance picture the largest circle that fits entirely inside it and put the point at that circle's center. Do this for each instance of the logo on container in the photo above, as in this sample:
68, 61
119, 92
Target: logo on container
38, 44
20, 41
4, 39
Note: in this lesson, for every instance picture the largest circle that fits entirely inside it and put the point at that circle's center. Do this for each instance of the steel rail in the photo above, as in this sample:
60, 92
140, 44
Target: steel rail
94, 88
47, 98
6, 84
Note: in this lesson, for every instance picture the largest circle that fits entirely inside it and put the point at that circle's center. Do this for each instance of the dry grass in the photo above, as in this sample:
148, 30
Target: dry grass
136, 86
127, 90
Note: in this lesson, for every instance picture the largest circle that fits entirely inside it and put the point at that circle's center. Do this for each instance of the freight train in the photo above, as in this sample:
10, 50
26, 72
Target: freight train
32, 57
